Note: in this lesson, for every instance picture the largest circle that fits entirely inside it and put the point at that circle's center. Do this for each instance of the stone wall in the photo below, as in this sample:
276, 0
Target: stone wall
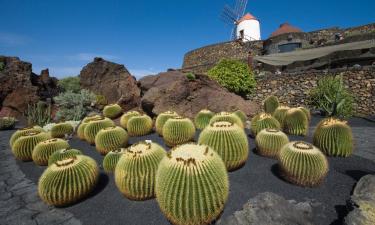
293, 88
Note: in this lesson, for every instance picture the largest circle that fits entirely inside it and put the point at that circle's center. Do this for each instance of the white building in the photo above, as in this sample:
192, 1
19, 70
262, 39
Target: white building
248, 28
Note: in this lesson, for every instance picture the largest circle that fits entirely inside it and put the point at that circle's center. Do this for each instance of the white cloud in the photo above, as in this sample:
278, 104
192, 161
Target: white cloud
139, 73
12, 39
90, 56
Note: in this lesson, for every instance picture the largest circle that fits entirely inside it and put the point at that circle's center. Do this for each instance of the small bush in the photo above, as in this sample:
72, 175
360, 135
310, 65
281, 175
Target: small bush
190, 76
234, 75
2, 66
38, 114
70, 84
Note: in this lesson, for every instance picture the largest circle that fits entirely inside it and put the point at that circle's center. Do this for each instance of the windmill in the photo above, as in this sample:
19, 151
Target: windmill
231, 15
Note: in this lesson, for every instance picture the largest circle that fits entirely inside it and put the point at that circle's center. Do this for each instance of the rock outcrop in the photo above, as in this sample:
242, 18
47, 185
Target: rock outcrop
112, 81
173, 91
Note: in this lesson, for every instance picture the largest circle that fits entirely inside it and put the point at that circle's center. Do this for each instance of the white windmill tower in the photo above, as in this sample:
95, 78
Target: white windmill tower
245, 27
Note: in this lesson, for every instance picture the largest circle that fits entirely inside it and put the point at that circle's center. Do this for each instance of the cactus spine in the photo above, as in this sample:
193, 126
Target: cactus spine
229, 117
296, 122
24, 145
43, 150
112, 111
269, 142
136, 169
61, 129
202, 119
63, 154
110, 160
22, 131
139, 125
110, 138
229, 141
178, 130
126, 116
334, 137
192, 185
69, 180
270, 104
161, 119
81, 127
94, 126
262, 121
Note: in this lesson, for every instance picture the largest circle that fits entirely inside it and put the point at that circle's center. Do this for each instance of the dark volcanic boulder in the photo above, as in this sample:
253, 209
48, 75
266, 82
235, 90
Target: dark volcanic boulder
173, 91
112, 81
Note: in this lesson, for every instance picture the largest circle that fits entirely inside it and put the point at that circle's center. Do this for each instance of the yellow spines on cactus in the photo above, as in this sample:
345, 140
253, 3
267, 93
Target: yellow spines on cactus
126, 116
334, 137
110, 138
228, 140
262, 121
112, 111
63, 154
202, 119
192, 185
270, 104
59, 130
178, 130
22, 131
94, 126
110, 160
24, 145
139, 125
43, 150
280, 114
136, 169
296, 122
229, 117
269, 142
161, 119
81, 127
68, 180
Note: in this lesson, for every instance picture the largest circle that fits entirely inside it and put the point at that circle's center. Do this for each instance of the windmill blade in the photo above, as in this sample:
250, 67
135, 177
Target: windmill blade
229, 13
233, 35
226, 19
239, 8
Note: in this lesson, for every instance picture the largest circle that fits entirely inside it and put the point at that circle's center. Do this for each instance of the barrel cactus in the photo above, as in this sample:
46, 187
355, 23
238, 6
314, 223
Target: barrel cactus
22, 131
43, 150
112, 111
136, 169
241, 115
110, 160
178, 130
110, 138
69, 180
227, 116
81, 127
306, 111
296, 122
126, 116
280, 114
94, 126
262, 121
334, 137
202, 119
270, 104
63, 154
269, 142
161, 119
139, 125
192, 185
228, 140
302, 163
24, 145
59, 130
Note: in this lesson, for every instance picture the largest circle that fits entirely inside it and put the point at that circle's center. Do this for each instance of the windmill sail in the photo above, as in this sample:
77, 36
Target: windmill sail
230, 16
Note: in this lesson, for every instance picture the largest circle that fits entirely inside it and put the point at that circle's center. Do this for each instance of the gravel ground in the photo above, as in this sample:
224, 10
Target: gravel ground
106, 205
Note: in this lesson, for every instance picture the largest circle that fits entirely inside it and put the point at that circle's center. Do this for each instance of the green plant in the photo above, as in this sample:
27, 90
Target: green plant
280, 114
38, 114
228, 140
7, 123
190, 76
334, 137
70, 84
59, 130
43, 150
178, 130
306, 111
126, 116
270, 104
241, 115
227, 116
69, 180
21, 132
2, 66
161, 119
94, 126
202, 119
63, 154
135, 171
296, 122
262, 121
74, 106
233, 75
81, 127
332, 98
269, 142
24, 145
110, 138
192, 185
302, 163
139, 125
101, 101
110, 160
112, 111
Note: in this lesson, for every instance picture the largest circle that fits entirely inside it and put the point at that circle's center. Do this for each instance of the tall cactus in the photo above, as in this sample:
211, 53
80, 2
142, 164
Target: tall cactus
227, 116
178, 130
334, 137
81, 127
24, 145
202, 119
63, 154
22, 131
59, 130
112, 111
139, 125
43, 150
192, 185
269, 142
262, 121
270, 104
94, 126
161, 119
136, 169
110, 138
296, 122
110, 160
228, 140
126, 116
280, 114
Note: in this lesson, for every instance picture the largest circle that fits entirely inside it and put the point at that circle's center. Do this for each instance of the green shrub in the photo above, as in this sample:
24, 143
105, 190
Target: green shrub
190, 76
2, 66
74, 106
70, 84
233, 75
38, 114
332, 98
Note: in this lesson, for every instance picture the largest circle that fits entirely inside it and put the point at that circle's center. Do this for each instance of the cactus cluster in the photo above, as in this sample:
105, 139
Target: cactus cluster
135, 171
228, 140
270, 104
192, 185
59, 130
112, 111
178, 130
302, 163
280, 114
139, 125
269, 142
126, 116
161, 119
241, 115
94, 126
296, 122
68, 180
334, 137
81, 127
229, 117
63, 154
21, 132
110, 160
43, 150
110, 138
7, 123
262, 121
24, 145
202, 119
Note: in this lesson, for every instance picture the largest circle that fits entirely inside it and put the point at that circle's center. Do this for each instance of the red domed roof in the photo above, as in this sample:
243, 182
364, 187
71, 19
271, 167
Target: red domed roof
248, 16
285, 28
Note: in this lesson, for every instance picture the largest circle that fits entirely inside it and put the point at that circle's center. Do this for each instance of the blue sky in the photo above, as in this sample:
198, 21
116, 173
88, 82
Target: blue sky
147, 36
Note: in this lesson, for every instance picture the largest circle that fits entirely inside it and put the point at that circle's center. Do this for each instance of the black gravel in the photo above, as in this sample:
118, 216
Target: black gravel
106, 205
